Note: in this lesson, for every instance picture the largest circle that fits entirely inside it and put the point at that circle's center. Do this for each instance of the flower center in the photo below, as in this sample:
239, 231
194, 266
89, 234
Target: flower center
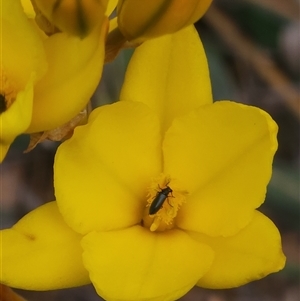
2, 103
163, 202
7, 93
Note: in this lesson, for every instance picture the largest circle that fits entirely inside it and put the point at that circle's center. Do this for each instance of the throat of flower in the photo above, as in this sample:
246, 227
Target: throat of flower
7, 93
164, 199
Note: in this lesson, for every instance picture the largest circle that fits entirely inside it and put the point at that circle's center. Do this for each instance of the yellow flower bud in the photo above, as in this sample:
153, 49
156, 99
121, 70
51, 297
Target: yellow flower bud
76, 17
141, 20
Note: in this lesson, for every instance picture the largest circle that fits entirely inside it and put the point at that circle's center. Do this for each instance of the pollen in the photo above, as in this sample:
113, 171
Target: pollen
164, 199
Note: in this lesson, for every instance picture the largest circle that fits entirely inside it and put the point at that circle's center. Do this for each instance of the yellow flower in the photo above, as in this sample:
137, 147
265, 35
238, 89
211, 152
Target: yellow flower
23, 62
138, 21
43, 79
73, 16
142, 20
165, 134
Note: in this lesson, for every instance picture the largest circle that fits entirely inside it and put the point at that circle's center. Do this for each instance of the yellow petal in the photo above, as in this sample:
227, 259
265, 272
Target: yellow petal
102, 172
111, 6
251, 254
170, 74
16, 119
135, 264
21, 48
41, 253
64, 91
28, 8
112, 24
222, 154
157, 17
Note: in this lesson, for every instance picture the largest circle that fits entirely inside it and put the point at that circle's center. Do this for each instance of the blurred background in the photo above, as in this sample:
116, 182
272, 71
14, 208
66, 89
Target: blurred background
253, 49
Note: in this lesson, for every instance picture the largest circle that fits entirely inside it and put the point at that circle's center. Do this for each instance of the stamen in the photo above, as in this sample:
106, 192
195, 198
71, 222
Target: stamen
164, 199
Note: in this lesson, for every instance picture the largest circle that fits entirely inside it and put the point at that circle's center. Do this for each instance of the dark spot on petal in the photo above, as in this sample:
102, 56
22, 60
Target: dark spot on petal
29, 236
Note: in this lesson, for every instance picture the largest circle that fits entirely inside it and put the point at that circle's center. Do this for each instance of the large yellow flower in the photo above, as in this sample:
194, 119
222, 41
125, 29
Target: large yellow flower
165, 134
43, 79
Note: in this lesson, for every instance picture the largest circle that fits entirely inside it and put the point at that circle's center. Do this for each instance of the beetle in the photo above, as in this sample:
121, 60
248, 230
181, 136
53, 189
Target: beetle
159, 200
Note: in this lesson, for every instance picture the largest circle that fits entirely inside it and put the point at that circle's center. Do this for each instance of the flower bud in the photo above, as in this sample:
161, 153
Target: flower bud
140, 20
77, 17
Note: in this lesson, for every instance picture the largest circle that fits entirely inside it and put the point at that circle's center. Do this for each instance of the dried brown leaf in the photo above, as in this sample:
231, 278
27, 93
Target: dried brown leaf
7, 294
58, 134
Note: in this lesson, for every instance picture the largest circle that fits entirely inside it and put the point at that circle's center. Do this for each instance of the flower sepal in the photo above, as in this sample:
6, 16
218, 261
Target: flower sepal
139, 20
74, 17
